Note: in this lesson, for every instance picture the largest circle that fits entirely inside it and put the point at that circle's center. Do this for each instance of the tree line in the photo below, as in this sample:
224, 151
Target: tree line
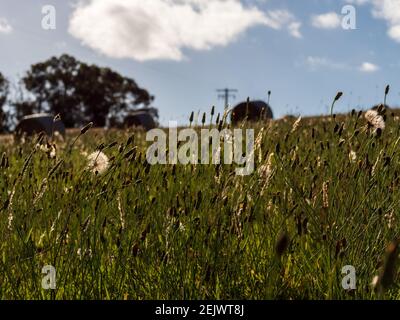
78, 92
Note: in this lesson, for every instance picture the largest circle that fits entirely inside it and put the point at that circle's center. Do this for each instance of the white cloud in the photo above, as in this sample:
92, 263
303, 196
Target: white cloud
294, 29
315, 63
162, 29
368, 67
357, 2
277, 19
389, 10
394, 32
5, 27
330, 20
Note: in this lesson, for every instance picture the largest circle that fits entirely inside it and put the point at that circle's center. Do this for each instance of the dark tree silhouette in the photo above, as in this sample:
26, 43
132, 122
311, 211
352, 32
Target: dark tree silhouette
81, 93
4, 125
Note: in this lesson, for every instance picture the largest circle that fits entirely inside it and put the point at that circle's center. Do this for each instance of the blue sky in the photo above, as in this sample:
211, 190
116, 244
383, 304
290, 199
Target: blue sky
183, 50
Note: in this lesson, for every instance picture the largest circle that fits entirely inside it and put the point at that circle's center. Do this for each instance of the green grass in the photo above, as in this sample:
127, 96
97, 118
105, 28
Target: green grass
201, 232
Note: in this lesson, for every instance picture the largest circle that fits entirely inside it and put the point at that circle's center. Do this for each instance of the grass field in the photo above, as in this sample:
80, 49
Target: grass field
325, 194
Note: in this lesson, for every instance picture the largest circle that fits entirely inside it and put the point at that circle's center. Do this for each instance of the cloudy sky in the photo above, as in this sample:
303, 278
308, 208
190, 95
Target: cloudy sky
183, 50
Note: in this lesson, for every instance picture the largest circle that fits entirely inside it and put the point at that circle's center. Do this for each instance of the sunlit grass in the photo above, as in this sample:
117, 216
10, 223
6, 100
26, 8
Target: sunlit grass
330, 191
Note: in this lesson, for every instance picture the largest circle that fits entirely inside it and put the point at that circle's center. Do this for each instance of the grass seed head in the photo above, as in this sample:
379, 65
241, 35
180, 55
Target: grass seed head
338, 96
325, 194
86, 128
296, 124
57, 118
191, 117
387, 90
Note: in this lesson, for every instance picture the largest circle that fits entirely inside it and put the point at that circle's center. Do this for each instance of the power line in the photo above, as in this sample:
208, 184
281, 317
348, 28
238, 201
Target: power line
226, 94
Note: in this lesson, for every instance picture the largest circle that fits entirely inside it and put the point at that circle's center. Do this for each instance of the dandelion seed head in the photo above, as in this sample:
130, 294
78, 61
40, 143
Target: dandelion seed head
353, 156
97, 162
47, 148
375, 120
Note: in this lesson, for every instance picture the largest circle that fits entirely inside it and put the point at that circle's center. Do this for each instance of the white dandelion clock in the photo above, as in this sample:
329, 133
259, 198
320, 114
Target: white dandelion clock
352, 156
98, 162
375, 120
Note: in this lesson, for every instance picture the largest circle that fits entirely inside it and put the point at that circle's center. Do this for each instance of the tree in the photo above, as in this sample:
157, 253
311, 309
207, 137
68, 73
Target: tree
81, 93
21, 103
4, 125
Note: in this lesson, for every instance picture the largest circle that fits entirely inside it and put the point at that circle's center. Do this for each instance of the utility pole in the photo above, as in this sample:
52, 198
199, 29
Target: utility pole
226, 94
